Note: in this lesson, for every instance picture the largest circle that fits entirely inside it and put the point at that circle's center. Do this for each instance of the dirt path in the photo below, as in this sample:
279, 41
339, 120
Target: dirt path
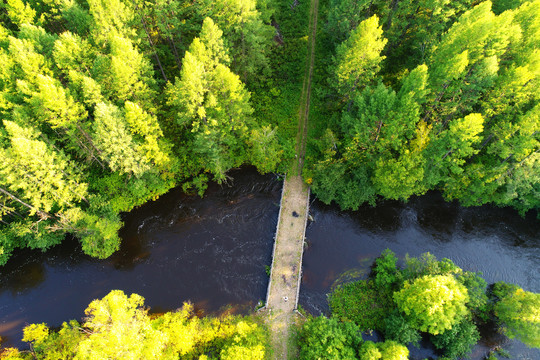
282, 297
303, 115
286, 267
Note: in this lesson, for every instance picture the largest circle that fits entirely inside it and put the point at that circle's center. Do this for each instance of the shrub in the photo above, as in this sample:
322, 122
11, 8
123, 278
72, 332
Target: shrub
361, 303
388, 350
457, 341
519, 313
323, 338
387, 276
397, 328
476, 287
427, 264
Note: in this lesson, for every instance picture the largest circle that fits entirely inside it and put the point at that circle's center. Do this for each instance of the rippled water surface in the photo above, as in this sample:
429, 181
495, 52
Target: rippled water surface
498, 242
211, 251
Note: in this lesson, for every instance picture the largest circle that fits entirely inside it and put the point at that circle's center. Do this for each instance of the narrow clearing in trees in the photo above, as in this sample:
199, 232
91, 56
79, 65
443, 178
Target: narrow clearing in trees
282, 298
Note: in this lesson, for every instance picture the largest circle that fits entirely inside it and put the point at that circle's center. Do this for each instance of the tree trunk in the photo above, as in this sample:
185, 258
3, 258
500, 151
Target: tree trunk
151, 42
43, 214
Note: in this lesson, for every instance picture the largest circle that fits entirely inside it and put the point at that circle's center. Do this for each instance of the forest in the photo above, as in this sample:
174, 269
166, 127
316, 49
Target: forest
106, 105
427, 95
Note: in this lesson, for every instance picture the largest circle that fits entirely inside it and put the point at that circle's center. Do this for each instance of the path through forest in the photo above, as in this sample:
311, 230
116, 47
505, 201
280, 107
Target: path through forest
282, 298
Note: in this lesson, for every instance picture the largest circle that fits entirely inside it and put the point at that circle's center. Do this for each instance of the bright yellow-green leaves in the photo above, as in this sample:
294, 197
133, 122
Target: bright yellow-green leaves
433, 303
369, 351
35, 333
51, 104
19, 12
248, 343
464, 118
118, 327
115, 143
471, 38
358, 58
129, 71
46, 178
146, 127
110, 18
519, 313
391, 350
71, 52
212, 103
245, 33
80, 78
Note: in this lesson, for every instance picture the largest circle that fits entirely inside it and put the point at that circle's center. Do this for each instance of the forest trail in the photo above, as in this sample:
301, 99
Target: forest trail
284, 286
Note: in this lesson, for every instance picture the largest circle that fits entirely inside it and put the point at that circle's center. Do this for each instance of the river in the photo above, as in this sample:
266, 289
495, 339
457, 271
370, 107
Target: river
497, 242
212, 251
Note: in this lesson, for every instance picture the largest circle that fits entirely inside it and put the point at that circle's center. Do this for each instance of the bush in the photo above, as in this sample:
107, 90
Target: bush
323, 338
427, 264
387, 276
391, 350
388, 350
397, 328
476, 287
458, 341
360, 303
519, 313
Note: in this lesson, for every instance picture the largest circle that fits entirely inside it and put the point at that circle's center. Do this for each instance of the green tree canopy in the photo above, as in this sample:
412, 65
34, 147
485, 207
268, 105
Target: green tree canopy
519, 313
433, 303
358, 58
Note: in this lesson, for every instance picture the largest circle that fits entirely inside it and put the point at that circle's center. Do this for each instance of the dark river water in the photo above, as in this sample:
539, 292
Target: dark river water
498, 242
213, 251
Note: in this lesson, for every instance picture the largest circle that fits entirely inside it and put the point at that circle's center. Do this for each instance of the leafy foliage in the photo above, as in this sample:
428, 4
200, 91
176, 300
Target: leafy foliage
476, 288
397, 328
386, 350
434, 303
88, 129
361, 303
518, 310
119, 327
457, 341
430, 297
446, 104
326, 338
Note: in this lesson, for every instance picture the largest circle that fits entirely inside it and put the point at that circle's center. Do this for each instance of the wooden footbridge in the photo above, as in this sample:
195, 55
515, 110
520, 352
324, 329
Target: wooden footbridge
284, 285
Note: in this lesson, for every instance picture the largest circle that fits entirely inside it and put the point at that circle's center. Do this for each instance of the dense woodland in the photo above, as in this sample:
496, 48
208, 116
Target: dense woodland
108, 104
105, 105
422, 95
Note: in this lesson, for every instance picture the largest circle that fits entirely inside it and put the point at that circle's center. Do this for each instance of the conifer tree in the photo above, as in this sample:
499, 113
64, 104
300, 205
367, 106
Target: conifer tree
19, 12
46, 177
116, 145
110, 18
247, 36
213, 103
358, 58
